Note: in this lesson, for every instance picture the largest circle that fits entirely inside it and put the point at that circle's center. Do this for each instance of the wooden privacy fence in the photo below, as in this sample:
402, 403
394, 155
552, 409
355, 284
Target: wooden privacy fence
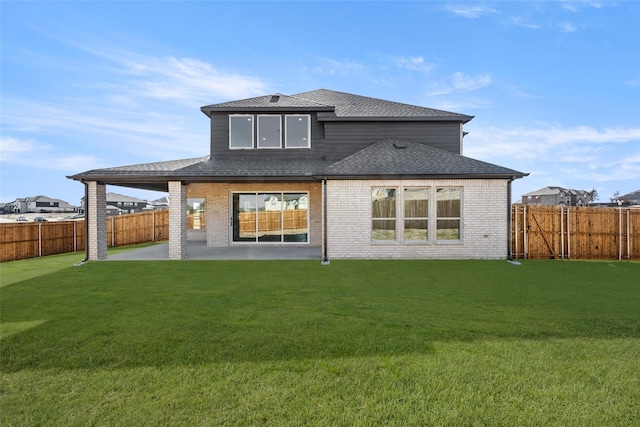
31, 240
559, 232
550, 232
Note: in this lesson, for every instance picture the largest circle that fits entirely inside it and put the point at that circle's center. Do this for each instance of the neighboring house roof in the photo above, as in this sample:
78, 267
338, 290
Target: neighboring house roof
116, 197
634, 195
333, 105
552, 191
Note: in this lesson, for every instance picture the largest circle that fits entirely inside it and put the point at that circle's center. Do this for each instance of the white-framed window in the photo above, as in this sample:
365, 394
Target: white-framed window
297, 131
448, 206
383, 214
416, 214
241, 131
269, 134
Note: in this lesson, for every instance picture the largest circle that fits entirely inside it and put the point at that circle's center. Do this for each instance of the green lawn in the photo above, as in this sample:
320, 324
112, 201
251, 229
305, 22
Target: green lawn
296, 343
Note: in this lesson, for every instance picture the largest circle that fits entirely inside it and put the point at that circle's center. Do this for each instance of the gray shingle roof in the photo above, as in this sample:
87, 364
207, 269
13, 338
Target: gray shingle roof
333, 105
399, 157
275, 101
390, 157
271, 167
349, 105
144, 169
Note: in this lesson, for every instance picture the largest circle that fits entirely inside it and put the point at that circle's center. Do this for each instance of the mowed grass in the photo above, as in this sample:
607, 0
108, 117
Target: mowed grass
352, 343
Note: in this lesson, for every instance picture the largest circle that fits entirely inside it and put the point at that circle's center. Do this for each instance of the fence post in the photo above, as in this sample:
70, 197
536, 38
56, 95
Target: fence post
39, 239
628, 236
568, 233
620, 233
561, 233
525, 240
75, 238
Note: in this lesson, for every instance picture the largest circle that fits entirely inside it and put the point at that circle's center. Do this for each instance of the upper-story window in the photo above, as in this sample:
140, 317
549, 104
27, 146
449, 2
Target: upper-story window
243, 129
297, 130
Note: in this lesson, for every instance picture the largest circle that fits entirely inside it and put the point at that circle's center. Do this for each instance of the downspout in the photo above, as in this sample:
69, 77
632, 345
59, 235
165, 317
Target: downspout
325, 257
509, 220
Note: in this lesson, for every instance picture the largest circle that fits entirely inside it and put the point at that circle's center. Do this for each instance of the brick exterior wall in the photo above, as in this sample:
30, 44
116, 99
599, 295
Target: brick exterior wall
483, 224
96, 221
218, 199
177, 220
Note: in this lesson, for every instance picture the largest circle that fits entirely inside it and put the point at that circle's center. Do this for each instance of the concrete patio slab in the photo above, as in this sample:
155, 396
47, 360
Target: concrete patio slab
199, 250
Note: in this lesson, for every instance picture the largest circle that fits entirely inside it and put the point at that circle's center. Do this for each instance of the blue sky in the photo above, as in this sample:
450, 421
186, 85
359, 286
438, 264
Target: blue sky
554, 86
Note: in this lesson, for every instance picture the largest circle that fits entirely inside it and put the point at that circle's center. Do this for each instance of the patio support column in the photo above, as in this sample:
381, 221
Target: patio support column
177, 220
96, 217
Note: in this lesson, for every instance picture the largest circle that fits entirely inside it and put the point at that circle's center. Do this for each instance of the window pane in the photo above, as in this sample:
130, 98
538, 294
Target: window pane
448, 229
298, 131
383, 205
269, 132
448, 202
383, 202
196, 214
244, 217
415, 229
241, 131
448, 223
416, 203
384, 229
295, 222
269, 217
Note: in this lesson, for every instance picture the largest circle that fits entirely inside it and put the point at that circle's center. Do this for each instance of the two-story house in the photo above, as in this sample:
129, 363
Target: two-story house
557, 196
359, 177
39, 204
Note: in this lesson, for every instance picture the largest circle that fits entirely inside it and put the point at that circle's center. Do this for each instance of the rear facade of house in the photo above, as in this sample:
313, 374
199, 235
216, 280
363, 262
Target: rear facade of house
359, 177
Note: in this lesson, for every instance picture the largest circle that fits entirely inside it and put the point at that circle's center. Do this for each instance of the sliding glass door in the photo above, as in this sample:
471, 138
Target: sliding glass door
274, 217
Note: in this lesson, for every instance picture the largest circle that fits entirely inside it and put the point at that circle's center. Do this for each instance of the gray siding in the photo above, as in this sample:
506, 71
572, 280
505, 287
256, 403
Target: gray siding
336, 140
345, 138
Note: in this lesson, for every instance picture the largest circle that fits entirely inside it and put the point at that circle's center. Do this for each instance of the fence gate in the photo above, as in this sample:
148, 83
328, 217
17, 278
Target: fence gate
559, 232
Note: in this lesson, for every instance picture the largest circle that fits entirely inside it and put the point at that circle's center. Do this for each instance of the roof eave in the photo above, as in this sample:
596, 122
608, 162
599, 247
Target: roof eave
329, 118
240, 110
509, 176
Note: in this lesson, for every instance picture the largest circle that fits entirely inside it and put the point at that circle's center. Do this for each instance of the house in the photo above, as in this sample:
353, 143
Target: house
38, 204
358, 177
557, 196
630, 199
118, 204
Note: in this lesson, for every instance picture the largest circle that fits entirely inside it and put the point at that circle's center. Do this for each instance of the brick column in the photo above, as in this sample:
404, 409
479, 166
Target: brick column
96, 217
177, 220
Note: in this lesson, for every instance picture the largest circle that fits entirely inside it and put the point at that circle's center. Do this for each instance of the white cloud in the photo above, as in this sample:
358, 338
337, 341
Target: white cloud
470, 10
465, 83
332, 67
522, 22
414, 63
548, 143
30, 153
567, 27
459, 82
